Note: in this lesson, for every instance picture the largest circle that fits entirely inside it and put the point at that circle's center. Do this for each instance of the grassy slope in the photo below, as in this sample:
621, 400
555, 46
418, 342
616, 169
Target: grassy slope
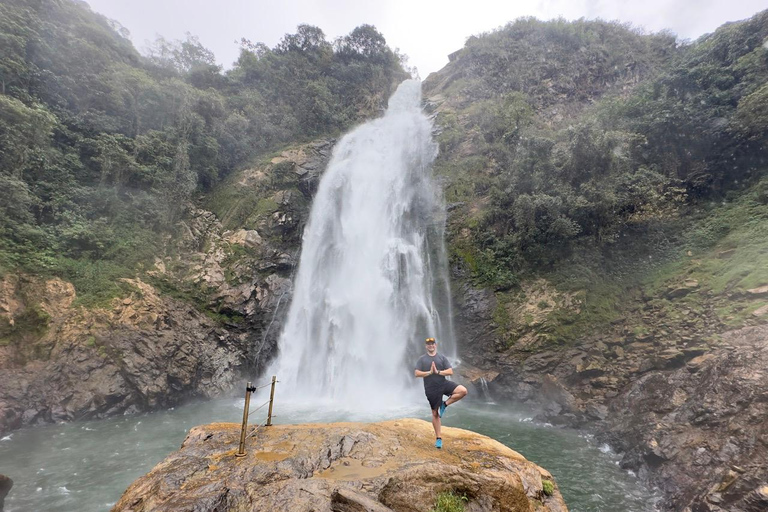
720, 250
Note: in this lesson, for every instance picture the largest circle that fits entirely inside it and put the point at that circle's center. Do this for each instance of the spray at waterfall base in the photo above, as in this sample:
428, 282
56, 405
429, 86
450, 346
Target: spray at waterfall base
372, 280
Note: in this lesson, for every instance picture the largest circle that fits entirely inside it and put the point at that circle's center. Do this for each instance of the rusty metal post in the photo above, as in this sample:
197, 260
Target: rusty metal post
241, 448
271, 400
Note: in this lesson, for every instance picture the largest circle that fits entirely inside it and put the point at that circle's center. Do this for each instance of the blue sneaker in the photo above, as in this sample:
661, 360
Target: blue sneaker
442, 409
439, 443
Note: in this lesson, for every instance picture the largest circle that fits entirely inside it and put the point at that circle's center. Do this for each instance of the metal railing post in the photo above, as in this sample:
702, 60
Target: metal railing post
241, 448
271, 400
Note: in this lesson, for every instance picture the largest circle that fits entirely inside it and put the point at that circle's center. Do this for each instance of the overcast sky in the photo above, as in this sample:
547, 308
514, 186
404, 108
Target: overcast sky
426, 30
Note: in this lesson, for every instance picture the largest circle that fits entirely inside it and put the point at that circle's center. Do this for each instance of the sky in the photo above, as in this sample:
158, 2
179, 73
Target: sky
425, 30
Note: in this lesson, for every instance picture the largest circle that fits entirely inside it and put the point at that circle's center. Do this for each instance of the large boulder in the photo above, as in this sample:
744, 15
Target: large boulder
378, 467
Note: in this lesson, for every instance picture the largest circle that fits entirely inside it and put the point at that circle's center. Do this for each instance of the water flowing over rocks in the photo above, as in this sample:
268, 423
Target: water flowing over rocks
377, 467
373, 263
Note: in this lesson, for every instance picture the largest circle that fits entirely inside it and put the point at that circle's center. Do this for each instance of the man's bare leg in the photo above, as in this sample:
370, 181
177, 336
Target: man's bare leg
436, 423
458, 393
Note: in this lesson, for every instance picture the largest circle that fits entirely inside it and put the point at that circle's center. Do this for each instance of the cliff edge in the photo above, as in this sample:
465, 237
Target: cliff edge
377, 467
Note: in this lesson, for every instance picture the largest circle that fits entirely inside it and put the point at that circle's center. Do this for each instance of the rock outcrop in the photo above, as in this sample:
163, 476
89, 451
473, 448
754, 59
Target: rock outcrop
147, 351
700, 431
689, 416
378, 467
5, 487
245, 255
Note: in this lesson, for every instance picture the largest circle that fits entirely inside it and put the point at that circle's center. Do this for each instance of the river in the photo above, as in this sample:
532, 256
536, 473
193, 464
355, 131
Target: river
85, 466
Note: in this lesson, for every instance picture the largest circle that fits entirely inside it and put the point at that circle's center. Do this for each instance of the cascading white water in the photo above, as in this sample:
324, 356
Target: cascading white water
372, 279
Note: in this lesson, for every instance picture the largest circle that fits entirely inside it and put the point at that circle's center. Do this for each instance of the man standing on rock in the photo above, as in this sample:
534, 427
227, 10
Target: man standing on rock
433, 368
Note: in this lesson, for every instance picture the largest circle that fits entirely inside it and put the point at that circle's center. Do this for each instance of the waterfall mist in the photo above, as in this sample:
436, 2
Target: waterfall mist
372, 279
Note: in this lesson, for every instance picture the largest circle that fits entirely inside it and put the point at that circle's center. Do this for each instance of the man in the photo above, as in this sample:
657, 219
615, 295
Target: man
433, 368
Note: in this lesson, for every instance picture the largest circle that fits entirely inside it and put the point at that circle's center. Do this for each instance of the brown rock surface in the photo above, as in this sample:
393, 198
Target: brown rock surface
686, 430
682, 405
760, 291
377, 467
147, 351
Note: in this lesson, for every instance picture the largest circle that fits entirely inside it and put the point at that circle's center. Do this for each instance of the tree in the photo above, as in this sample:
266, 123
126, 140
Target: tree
23, 129
307, 38
364, 41
183, 56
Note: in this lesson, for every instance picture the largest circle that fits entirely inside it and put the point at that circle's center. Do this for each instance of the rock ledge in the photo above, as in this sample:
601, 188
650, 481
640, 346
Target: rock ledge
376, 467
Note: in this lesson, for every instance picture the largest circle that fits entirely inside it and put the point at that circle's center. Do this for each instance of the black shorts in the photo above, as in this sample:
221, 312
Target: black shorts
435, 396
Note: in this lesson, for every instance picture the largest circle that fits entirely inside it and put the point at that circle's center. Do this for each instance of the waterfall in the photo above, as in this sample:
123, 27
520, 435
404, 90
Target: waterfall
372, 279
485, 392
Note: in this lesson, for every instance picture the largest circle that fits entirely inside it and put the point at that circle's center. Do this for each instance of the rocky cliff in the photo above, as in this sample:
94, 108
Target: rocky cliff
206, 315
143, 353
378, 467
689, 417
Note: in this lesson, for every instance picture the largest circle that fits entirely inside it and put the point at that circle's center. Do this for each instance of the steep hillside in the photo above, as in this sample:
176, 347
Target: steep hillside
631, 128
154, 189
608, 218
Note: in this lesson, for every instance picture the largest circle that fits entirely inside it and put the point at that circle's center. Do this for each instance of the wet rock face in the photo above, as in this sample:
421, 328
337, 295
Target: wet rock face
379, 467
473, 318
245, 276
248, 269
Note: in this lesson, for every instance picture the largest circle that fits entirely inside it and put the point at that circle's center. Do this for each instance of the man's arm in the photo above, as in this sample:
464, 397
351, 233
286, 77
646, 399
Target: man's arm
448, 370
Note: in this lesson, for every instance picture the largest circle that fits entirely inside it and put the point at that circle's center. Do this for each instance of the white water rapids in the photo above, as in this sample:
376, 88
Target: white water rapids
372, 279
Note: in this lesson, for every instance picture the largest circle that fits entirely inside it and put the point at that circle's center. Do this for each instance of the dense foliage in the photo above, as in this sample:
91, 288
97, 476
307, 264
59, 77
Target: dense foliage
101, 149
561, 134
560, 60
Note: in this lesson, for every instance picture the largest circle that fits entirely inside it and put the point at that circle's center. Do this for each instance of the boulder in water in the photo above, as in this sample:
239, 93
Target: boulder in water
5, 487
380, 467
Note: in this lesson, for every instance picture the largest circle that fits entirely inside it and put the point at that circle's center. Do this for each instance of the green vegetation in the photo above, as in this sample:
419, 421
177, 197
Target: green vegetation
616, 165
548, 487
728, 245
197, 295
722, 248
103, 150
548, 60
33, 320
550, 154
450, 502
